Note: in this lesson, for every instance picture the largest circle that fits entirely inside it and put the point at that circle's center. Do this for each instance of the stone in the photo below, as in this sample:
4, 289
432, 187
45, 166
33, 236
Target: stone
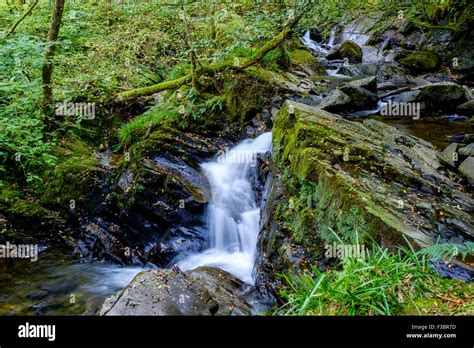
335, 101
367, 177
466, 108
360, 97
369, 83
202, 291
467, 169
450, 155
347, 49
467, 150
421, 61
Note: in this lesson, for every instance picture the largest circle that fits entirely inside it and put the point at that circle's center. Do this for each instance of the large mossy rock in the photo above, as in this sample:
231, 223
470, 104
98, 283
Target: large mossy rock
347, 49
306, 60
421, 61
203, 291
356, 180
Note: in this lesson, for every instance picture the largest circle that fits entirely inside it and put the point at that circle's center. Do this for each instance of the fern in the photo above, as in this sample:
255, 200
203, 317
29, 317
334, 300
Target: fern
448, 251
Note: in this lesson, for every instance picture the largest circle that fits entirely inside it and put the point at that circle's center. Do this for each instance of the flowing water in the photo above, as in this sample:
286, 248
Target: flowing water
57, 284
233, 214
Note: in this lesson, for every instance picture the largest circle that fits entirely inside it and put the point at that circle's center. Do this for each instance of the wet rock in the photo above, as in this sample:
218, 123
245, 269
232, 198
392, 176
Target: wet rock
467, 169
450, 155
335, 101
386, 86
421, 61
203, 291
348, 49
467, 150
369, 175
442, 92
466, 108
315, 34
360, 97
462, 138
306, 60
368, 83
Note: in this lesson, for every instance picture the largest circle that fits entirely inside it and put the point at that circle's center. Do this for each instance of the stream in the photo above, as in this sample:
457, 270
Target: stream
233, 214
58, 284
436, 129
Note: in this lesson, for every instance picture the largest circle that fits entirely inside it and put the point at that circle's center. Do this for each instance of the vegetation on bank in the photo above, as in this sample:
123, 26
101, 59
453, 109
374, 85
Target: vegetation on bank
401, 282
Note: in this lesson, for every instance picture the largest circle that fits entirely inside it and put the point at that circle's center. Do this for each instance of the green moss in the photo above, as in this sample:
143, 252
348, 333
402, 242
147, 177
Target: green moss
300, 56
72, 177
28, 209
276, 59
320, 203
146, 122
422, 60
351, 51
305, 58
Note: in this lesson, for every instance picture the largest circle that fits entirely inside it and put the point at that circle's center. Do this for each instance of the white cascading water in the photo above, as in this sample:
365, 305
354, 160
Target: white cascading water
233, 214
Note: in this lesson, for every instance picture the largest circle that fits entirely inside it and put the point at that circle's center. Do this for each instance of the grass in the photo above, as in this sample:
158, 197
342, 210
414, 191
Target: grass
382, 283
150, 119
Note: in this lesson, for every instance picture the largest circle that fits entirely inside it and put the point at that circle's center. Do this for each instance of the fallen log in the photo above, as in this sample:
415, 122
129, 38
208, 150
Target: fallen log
212, 69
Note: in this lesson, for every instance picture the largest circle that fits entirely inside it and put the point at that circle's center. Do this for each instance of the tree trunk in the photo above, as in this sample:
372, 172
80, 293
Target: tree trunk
49, 55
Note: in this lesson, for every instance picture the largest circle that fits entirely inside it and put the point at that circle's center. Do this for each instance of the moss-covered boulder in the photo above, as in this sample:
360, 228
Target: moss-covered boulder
305, 59
421, 61
348, 49
346, 181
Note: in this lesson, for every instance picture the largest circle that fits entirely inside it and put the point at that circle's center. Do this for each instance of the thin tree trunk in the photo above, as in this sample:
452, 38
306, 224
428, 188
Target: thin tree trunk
49, 55
12, 29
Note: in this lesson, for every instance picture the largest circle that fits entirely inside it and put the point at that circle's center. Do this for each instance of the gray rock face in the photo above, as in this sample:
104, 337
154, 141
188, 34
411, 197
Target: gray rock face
466, 108
467, 150
395, 180
335, 101
203, 291
368, 83
450, 155
467, 169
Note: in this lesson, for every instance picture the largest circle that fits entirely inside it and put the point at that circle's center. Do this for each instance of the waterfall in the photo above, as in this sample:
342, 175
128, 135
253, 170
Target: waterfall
332, 36
233, 214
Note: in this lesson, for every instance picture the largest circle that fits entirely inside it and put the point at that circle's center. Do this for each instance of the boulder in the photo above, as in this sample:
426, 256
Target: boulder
466, 108
305, 59
202, 291
467, 150
335, 101
347, 49
368, 83
467, 169
421, 61
359, 180
360, 97
442, 92
450, 155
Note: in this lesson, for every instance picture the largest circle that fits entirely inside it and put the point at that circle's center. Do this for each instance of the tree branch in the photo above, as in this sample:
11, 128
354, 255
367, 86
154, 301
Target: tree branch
212, 69
12, 29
